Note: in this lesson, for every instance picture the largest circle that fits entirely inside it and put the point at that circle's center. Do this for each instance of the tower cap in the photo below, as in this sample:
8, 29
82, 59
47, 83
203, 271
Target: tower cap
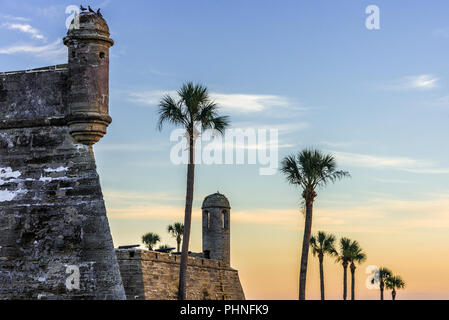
90, 26
216, 200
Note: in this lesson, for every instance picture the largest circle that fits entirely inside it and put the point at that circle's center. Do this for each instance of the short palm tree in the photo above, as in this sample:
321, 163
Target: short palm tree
381, 277
309, 169
150, 239
393, 283
176, 230
357, 256
193, 109
165, 248
344, 257
322, 244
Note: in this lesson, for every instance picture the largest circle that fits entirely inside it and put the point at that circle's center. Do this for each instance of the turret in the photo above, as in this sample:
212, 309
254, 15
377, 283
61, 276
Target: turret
88, 98
216, 228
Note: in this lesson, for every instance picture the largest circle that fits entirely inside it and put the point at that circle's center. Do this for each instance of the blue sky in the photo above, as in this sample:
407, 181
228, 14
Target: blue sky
377, 99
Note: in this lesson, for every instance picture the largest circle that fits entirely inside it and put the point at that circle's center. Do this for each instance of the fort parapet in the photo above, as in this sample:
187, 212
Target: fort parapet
55, 241
149, 275
154, 275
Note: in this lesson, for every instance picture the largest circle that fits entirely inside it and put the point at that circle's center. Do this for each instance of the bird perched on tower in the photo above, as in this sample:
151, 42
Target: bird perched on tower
82, 8
90, 9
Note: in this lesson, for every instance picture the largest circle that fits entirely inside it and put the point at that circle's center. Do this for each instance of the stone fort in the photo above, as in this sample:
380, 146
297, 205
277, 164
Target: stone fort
55, 241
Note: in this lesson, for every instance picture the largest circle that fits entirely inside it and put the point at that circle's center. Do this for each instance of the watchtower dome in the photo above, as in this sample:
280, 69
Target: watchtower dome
216, 227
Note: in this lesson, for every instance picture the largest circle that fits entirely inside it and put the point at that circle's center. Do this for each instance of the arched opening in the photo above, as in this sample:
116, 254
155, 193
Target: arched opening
224, 219
208, 219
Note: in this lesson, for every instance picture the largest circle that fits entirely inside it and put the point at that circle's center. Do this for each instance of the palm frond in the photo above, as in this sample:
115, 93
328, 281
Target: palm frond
323, 243
170, 111
176, 229
311, 169
344, 256
293, 172
193, 107
314, 246
150, 239
193, 97
393, 282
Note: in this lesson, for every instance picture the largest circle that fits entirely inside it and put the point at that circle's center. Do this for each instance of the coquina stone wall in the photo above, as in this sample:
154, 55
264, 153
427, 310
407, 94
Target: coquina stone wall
52, 214
55, 241
149, 275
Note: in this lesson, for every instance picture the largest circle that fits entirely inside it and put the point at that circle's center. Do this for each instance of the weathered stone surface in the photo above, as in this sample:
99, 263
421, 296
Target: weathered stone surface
33, 97
88, 78
52, 215
149, 275
154, 276
217, 228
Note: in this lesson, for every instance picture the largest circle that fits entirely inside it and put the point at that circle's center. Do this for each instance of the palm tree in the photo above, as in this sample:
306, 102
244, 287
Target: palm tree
393, 283
356, 256
165, 248
176, 230
344, 257
381, 277
309, 169
193, 109
150, 239
321, 245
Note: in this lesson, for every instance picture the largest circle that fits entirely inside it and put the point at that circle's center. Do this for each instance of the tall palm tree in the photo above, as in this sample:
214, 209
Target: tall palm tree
176, 230
356, 256
193, 109
150, 239
321, 245
309, 169
381, 277
344, 257
393, 283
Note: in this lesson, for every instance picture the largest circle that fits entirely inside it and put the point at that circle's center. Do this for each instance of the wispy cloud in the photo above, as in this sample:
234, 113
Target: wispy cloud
250, 102
335, 144
120, 196
439, 102
229, 147
419, 82
364, 160
129, 147
25, 28
14, 18
284, 128
376, 215
238, 103
54, 52
441, 33
382, 180
379, 215
131, 205
148, 98
51, 12
400, 163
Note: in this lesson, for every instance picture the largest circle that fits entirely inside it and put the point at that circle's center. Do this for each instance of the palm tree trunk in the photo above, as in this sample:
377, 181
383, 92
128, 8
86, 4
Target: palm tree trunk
320, 257
352, 281
305, 250
393, 294
381, 290
345, 281
187, 219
